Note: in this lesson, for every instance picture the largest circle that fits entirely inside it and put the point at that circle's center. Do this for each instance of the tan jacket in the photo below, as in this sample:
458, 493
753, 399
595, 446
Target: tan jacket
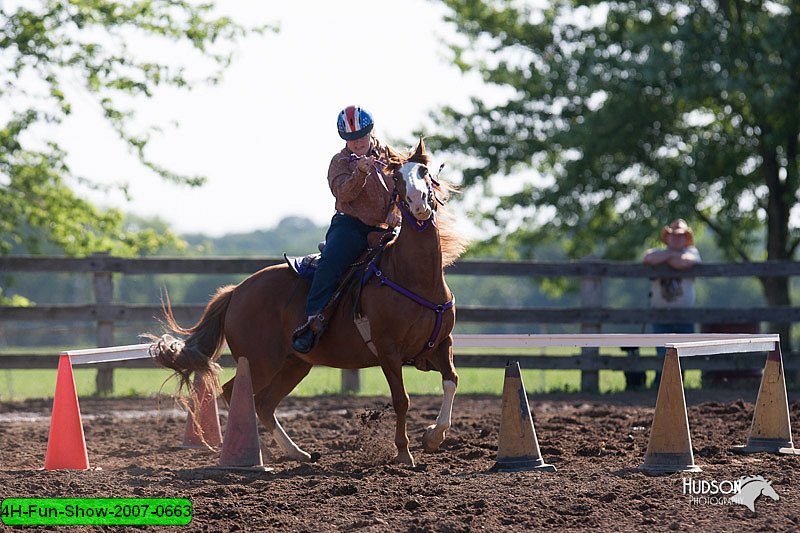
360, 195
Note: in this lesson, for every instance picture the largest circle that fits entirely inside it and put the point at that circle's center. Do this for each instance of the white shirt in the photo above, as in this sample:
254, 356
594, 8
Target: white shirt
674, 292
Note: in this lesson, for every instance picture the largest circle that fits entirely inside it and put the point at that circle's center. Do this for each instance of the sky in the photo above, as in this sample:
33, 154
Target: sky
264, 137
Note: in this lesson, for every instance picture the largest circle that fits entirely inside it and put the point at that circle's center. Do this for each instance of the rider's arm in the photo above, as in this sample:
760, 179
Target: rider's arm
345, 183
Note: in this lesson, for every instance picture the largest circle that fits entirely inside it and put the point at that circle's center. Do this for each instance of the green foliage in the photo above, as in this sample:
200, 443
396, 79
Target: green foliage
15, 300
631, 117
52, 47
292, 235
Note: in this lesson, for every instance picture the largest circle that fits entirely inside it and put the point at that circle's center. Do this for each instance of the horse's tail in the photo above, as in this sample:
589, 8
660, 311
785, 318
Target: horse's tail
200, 350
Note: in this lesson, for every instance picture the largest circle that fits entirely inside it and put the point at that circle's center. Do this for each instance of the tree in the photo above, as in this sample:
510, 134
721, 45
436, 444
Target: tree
634, 113
50, 47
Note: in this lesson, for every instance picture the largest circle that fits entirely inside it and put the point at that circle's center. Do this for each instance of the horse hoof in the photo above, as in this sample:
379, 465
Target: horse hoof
400, 460
303, 456
431, 440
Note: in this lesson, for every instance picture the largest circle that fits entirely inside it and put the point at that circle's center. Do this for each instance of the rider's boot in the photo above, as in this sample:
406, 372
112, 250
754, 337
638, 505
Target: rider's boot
307, 335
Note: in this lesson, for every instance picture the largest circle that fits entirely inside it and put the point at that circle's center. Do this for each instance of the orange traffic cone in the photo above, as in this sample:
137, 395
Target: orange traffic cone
66, 445
202, 425
771, 431
241, 447
670, 446
518, 447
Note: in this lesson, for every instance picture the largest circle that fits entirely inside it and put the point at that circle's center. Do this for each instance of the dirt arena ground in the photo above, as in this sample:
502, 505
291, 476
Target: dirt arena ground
596, 443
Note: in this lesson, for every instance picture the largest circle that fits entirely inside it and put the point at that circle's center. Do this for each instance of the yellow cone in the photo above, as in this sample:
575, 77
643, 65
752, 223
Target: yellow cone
518, 448
670, 446
771, 430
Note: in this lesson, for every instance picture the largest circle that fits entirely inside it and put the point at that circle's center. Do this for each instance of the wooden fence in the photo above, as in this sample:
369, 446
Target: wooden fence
591, 315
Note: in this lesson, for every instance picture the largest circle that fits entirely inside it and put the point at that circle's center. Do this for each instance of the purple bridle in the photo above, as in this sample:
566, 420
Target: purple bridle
431, 220
439, 309
379, 166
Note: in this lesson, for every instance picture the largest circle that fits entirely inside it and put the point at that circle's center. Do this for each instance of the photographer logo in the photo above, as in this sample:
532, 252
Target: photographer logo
743, 491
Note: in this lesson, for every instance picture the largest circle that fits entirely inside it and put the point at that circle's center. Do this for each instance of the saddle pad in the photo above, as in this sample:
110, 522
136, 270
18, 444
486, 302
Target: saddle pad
303, 266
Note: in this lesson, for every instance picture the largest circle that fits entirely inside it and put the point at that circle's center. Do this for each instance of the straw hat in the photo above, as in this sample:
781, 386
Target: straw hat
677, 227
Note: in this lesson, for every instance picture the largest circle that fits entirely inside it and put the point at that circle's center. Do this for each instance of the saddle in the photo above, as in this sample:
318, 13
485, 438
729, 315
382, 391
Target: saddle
355, 276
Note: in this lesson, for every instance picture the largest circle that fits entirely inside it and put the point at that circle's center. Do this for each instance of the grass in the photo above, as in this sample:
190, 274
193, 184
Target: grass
16, 385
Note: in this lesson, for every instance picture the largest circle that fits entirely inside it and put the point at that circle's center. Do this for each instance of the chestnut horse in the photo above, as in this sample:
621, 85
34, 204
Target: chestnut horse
407, 302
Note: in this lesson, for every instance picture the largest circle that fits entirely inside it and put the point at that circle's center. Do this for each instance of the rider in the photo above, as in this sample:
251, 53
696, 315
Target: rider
363, 205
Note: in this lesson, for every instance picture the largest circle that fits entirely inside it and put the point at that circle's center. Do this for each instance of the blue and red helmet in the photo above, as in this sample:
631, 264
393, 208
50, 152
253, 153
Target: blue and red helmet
354, 122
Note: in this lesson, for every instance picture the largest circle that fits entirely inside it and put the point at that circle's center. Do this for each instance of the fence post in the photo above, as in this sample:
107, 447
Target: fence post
351, 381
103, 295
591, 298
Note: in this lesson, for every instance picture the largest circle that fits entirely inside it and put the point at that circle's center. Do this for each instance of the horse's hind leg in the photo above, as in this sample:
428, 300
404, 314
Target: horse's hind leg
434, 434
287, 378
266, 400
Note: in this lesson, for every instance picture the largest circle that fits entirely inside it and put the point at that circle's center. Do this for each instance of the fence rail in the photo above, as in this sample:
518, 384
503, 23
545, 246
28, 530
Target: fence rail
467, 267
510, 315
591, 315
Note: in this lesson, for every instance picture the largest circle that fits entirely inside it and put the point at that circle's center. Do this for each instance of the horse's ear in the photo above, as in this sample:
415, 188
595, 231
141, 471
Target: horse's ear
419, 155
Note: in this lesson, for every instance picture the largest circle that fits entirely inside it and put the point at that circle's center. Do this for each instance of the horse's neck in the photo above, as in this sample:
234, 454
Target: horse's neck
415, 260
750, 488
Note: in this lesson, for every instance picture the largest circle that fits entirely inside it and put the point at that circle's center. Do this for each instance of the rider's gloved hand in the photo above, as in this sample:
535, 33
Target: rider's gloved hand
393, 219
365, 164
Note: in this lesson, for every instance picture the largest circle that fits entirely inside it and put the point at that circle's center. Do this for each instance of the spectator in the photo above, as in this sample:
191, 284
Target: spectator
679, 254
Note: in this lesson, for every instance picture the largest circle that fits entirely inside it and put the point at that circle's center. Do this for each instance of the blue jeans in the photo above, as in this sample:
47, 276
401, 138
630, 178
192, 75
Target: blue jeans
345, 241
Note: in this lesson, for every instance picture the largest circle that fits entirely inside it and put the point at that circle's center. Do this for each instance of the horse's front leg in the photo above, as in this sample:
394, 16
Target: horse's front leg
443, 359
393, 371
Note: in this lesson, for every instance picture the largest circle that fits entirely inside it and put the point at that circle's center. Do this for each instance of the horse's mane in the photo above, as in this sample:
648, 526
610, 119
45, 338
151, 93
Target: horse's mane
452, 242
749, 479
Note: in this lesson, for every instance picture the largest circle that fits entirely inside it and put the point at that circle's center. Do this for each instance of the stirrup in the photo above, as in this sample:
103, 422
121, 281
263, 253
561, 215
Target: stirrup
304, 342
306, 336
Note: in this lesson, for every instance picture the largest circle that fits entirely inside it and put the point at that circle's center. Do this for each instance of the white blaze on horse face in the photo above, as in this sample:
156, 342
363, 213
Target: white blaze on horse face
416, 190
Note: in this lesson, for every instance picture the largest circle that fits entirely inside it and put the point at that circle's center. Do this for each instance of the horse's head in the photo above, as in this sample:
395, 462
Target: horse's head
414, 185
751, 488
419, 195
769, 491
